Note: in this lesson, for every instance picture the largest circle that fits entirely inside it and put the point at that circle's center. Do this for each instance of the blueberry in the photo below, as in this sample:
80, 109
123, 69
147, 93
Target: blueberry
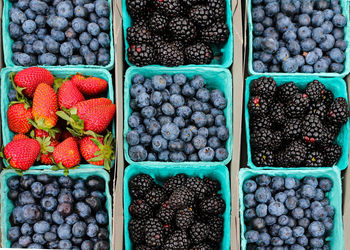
41, 227
270, 220
47, 59
102, 218
318, 213
325, 184
328, 43
163, 156
17, 16
104, 23
65, 9
153, 127
79, 25
93, 29
269, 45
66, 49
311, 58
13, 234
90, 58
14, 181
337, 55
64, 231
133, 138
262, 195
24, 241
177, 100
179, 122
304, 19
321, 65
276, 208
180, 79
40, 7
289, 35
102, 8
251, 236
316, 229
26, 229
221, 154
186, 134
341, 44
80, 11
94, 45
206, 154
72, 219
249, 201
159, 143
261, 210
259, 66
137, 79
249, 213
258, 14
328, 223
283, 24
17, 46
327, 27
267, 22
25, 197
103, 39
39, 239
281, 197
264, 239
277, 183
257, 41
87, 244
258, 29
23, 4
272, 9
339, 20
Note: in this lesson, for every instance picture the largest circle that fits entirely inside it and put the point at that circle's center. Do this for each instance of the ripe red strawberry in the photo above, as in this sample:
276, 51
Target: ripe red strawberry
66, 154
20, 137
45, 107
17, 118
21, 154
98, 151
89, 85
30, 78
69, 95
47, 146
39, 133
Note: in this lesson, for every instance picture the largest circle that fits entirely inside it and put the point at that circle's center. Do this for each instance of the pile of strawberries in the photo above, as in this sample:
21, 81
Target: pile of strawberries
59, 121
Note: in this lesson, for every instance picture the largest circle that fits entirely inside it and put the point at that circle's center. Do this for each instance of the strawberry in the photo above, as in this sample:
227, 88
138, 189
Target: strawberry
30, 78
47, 147
89, 85
97, 150
45, 107
39, 133
69, 95
66, 154
17, 118
66, 134
21, 154
20, 137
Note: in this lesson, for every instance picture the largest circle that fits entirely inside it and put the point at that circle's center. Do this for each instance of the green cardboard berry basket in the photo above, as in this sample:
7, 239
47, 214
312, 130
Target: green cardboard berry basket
224, 61
7, 40
345, 12
162, 172
6, 86
338, 88
336, 239
7, 205
214, 78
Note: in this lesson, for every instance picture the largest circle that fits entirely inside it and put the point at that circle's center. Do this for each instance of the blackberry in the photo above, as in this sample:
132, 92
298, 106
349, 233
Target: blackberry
315, 90
261, 139
332, 154
140, 209
327, 97
292, 130
137, 230
168, 229
175, 182
257, 106
297, 106
198, 53
338, 112
141, 55
295, 154
314, 159
154, 232
277, 115
140, 185
276, 141
165, 213
156, 196
169, 8
199, 232
143, 247
202, 246
264, 87
181, 197
177, 240
182, 29
200, 15
259, 122
136, 8
218, 8
189, 3
286, 91
216, 228
262, 158
198, 186
280, 159
138, 34
312, 129
213, 185
158, 22
213, 205
184, 218
319, 109
216, 33
169, 55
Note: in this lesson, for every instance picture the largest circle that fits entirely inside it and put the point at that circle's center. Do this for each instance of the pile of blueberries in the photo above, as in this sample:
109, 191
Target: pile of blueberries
298, 36
58, 212
287, 213
60, 32
176, 119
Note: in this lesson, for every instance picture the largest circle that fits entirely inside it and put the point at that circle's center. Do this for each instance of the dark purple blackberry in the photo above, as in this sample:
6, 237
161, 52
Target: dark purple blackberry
257, 106
216, 33
165, 213
182, 29
169, 8
137, 230
213, 185
214, 205
292, 129
295, 154
216, 228
156, 196
276, 141
136, 8
257, 123
141, 55
200, 15
198, 232
202, 246
314, 159
184, 218
140, 209
140, 185
312, 129
263, 86
168, 229
280, 159
198, 53
261, 139
320, 109
138, 35
181, 197
177, 240
297, 106
286, 91
190, 3
315, 90
175, 182
277, 115
262, 158
332, 154
154, 232
339, 111
169, 55
143, 247
327, 97
330, 132
198, 186
218, 8
158, 22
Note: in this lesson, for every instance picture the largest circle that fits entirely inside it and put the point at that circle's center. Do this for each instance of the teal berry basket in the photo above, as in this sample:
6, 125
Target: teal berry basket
226, 52
6, 86
215, 78
338, 88
345, 12
7, 41
8, 206
162, 172
336, 239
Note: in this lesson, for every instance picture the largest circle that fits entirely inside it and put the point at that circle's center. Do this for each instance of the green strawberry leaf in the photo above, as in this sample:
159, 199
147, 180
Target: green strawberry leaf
55, 168
66, 172
97, 158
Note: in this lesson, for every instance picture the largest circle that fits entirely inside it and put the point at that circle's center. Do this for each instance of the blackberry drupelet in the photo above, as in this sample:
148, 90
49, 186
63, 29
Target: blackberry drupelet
214, 205
295, 154
138, 35
277, 115
136, 8
177, 240
257, 123
170, 8
218, 8
156, 196
257, 106
158, 22
338, 112
319, 108
297, 106
184, 218
262, 158
286, 91
261, 139
213, 185
181, 197
169, 55
332, 154
264, 87
153, 232
292, 130
198, 53
140, 185
198, 232
314, 159
200, 15
312, 130
165, 213
198, 186
137, 230
175, 182
140, 209
216, 228
216, 33
141, 55
182, 29
315, 90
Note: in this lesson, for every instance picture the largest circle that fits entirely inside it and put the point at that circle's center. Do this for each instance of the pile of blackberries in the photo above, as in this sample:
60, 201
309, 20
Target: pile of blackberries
176, 119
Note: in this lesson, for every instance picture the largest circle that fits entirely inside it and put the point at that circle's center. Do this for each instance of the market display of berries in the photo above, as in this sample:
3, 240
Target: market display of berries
287, 212
298, 36
175, 32
176, 119
60, 32
183, 213
61, 122
292, 127
53, 212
